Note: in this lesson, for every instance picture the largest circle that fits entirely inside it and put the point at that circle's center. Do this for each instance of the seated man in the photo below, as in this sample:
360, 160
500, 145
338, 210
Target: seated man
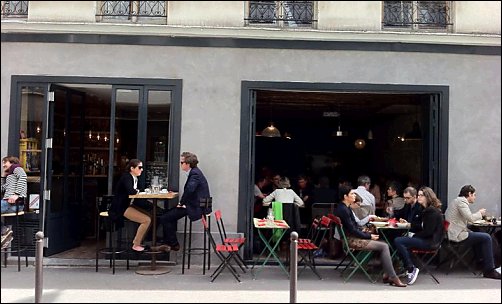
459, 215
196, 188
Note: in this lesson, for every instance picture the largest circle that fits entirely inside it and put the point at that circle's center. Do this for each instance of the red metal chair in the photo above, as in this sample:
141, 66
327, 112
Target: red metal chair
307, 247
239, 242
224, 252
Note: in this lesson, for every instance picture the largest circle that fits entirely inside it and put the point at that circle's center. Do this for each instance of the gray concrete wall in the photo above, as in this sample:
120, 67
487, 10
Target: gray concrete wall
211, 97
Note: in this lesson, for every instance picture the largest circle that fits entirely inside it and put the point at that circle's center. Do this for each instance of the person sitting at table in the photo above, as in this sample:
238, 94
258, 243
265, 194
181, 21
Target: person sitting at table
364, 240
459, 215
290, 203
431, 235
132, 209
356, 205
396, 202
196, 189
412, 211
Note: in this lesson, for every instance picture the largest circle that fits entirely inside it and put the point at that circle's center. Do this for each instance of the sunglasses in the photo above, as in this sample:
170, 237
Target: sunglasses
181, 163
140, 167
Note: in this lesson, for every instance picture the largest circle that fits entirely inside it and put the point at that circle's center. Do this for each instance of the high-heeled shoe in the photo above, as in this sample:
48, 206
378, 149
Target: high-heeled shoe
385, 279
396, 282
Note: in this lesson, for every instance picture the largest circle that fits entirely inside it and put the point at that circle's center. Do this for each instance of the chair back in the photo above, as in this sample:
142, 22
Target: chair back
206, 204
221, 226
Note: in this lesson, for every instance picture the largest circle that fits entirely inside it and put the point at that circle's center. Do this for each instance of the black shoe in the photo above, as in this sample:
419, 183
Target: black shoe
492, 274
175, 247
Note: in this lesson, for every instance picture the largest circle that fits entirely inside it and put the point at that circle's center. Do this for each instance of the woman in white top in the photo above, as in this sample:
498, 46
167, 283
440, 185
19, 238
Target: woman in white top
290, 203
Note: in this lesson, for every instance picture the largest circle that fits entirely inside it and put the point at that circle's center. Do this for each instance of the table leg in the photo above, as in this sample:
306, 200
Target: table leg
271, 249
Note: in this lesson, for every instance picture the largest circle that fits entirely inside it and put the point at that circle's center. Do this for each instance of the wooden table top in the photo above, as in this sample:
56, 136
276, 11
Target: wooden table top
168, 195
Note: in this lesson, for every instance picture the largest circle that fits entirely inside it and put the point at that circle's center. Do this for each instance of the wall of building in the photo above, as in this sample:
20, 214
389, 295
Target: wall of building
477, 17
212, 91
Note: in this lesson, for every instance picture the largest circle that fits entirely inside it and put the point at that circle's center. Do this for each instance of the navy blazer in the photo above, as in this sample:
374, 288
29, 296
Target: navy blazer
196, 188
121, 200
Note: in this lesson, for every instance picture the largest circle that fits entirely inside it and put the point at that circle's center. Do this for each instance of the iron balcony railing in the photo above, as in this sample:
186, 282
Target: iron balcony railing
417, 14
131, 9
281, 13
14, 9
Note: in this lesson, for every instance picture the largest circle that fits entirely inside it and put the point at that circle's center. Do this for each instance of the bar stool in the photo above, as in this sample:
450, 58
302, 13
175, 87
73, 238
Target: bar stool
19, 234
206, 204
114, 247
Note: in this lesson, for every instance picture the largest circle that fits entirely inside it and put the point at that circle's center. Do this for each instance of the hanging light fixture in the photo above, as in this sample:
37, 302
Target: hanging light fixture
360, 143
271, 131
339, 132
370, 134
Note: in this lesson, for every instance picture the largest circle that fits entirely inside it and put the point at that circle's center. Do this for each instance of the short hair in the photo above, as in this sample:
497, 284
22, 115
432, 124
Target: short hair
190, 159
464, 191
284, 182
396, 186
342, 191
11, 159
363, 180
411, 190
133, 163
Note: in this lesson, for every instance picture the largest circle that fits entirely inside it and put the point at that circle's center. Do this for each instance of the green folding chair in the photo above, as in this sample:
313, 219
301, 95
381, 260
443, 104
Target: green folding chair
359, 258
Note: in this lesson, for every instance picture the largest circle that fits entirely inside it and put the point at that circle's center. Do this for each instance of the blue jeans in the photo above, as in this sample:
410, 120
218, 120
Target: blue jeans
8, 208
482, 245
403, 243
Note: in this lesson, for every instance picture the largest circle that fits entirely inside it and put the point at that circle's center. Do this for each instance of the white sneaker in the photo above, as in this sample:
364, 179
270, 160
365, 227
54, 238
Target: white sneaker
412, 276
497, 270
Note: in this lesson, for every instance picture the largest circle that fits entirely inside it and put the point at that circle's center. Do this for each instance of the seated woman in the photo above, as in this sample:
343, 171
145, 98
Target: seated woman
122, 205
364, 240
431, 235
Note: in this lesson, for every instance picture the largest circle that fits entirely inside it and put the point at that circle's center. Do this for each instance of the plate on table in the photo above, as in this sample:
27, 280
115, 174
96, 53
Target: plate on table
142, 193
379, 224
402, 225
480, 222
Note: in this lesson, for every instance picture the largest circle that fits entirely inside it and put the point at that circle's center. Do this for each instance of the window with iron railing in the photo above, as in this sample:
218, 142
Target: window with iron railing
281, 13
132, 11
15, 9
417, 14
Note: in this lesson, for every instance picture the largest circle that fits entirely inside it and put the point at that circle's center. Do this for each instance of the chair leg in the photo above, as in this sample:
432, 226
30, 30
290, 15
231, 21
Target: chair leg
189, 243
184, 247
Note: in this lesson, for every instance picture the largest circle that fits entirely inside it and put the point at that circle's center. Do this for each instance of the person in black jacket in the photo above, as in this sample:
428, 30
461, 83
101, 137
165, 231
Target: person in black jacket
412, 211
363, 240
131, 209
196, 189
431, 235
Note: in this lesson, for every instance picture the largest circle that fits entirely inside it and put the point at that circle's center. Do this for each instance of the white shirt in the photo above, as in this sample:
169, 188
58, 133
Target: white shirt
285, 196
368, 198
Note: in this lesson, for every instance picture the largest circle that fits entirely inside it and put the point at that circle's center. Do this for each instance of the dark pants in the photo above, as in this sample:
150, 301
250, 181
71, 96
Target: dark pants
169, 222
482, 245
402, 245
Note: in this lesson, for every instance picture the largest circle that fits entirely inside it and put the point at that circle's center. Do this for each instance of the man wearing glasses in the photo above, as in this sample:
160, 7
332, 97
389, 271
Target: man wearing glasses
412, 211
196, 189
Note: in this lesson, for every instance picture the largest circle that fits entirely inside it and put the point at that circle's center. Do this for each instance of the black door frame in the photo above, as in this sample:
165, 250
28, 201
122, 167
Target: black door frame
18, 81
435, 161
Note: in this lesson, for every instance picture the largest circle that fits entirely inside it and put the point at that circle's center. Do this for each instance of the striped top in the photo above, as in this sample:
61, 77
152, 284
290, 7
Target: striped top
15, 183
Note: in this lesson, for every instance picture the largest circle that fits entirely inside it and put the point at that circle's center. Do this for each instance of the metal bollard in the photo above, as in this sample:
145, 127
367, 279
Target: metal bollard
293, 267
39, 254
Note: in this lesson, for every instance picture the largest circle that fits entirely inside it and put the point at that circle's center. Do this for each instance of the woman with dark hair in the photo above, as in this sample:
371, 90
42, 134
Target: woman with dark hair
431, 235
15, 185
359, 239
122, 205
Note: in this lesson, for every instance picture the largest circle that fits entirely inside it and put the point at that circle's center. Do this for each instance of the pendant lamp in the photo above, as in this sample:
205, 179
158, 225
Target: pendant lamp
271, 131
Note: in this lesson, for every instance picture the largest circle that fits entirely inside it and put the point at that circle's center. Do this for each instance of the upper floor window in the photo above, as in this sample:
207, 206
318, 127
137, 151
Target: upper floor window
281, 13
15, 9
132, 11
417, 14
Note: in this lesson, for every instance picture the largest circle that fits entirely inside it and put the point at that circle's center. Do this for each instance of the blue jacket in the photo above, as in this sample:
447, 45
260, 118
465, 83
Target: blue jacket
196, 189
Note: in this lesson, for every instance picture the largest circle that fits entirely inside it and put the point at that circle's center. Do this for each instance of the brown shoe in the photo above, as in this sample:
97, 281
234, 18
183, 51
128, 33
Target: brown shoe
175, 247
160, 248
385, 279
396, 282
493, 274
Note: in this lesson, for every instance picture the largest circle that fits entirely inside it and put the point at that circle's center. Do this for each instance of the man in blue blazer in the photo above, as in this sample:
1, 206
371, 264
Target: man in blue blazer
196, 189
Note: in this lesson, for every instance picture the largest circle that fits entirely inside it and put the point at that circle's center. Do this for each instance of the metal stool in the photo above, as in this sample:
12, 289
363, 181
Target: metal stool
19, 235
206, 205
114, 246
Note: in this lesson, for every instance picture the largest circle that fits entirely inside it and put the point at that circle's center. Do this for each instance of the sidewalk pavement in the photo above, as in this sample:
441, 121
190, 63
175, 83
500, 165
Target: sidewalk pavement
64, 283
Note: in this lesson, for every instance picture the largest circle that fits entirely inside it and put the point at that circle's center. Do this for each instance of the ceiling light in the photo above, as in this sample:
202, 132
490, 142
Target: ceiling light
271, 131
360, 143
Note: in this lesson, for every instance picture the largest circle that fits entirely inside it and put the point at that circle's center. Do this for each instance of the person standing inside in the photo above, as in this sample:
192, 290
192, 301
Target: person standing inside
459, 215
196, 189
431, 235
14, 188
131, 209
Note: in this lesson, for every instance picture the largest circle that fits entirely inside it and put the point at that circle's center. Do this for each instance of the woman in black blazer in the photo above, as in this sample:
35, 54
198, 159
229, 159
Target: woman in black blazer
122, 205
